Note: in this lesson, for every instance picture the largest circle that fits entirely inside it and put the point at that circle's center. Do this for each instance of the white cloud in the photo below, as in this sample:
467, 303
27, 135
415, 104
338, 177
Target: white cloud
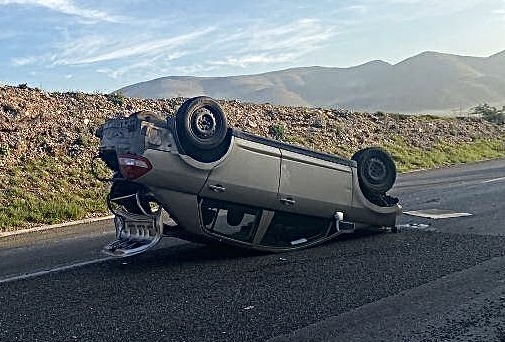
145, 66
501, 11
361, 9
408, 10
408, 2
259, 44
24, 61
99, 49
252, 45
192, 69
66, 7
247, 60
8, 34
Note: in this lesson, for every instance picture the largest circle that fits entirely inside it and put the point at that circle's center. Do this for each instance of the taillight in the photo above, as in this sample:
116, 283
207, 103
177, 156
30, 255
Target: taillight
132, 166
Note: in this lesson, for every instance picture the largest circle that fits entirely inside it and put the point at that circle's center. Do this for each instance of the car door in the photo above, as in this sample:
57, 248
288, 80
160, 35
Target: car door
248, 175
312, 186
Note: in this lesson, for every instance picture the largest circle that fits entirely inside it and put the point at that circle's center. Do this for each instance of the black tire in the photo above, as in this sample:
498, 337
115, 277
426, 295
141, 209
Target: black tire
201, 129
376, 170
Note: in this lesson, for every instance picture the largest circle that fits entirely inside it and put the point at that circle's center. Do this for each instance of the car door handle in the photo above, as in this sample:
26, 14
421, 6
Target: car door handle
217, 188
287, 201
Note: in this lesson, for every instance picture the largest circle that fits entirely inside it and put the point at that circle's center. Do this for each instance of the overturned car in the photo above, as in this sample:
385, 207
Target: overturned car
193, 177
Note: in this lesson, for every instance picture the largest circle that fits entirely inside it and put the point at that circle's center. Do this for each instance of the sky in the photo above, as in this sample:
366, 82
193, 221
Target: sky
101, 46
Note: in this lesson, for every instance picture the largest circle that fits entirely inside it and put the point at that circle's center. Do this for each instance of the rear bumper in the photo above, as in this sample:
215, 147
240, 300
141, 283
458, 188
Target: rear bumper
135, 233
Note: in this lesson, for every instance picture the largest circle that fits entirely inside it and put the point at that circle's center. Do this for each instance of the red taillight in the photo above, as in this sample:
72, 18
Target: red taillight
132, 166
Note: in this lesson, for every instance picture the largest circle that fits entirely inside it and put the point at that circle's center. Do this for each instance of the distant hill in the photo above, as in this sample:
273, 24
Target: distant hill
429, 82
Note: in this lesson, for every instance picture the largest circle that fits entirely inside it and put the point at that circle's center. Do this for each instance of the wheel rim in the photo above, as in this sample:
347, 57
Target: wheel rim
376, 170
204, 124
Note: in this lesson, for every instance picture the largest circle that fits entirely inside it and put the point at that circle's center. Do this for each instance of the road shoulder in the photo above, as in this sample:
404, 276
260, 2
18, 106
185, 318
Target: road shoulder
473, 299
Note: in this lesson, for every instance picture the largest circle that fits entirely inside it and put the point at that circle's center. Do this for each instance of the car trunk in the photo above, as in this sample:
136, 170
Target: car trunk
127, 135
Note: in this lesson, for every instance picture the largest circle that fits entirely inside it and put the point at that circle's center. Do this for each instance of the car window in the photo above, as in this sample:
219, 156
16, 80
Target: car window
289, 230
234, 221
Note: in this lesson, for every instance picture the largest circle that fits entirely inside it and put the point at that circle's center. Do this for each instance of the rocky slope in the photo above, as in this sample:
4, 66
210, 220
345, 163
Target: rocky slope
47, 142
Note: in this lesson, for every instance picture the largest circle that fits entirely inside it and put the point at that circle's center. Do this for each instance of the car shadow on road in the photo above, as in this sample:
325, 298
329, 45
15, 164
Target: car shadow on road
173, 252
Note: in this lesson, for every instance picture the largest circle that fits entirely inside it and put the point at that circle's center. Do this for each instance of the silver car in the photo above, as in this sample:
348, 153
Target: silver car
193, 177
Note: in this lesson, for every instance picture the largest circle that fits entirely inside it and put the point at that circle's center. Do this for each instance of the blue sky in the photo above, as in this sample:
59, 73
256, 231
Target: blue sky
72, 45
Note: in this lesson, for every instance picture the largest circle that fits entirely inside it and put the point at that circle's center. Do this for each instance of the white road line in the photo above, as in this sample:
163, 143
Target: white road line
436, 213
53, 270
493, 180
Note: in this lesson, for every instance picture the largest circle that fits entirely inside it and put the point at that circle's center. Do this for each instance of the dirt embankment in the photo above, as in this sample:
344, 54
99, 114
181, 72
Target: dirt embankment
34, 123
58, 128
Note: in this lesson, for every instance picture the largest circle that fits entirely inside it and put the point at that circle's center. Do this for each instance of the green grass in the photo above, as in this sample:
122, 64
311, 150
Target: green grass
278, 131
33, 209
408, 158
47, 191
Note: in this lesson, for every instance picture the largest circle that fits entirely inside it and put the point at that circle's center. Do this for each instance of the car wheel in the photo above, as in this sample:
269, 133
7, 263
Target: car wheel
376, 170
201, 129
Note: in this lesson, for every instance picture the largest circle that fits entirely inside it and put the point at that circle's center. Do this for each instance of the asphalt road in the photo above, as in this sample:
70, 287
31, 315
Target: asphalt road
437, 280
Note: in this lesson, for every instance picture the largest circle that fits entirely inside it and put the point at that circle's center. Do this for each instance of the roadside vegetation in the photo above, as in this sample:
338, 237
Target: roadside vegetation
489, 113
47, 143
408, 158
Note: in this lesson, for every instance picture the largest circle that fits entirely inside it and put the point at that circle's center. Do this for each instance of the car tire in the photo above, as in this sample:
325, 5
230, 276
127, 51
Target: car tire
376, 170
201, 129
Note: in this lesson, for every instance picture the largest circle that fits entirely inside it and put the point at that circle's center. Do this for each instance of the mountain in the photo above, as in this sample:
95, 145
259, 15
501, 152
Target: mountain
429, 82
